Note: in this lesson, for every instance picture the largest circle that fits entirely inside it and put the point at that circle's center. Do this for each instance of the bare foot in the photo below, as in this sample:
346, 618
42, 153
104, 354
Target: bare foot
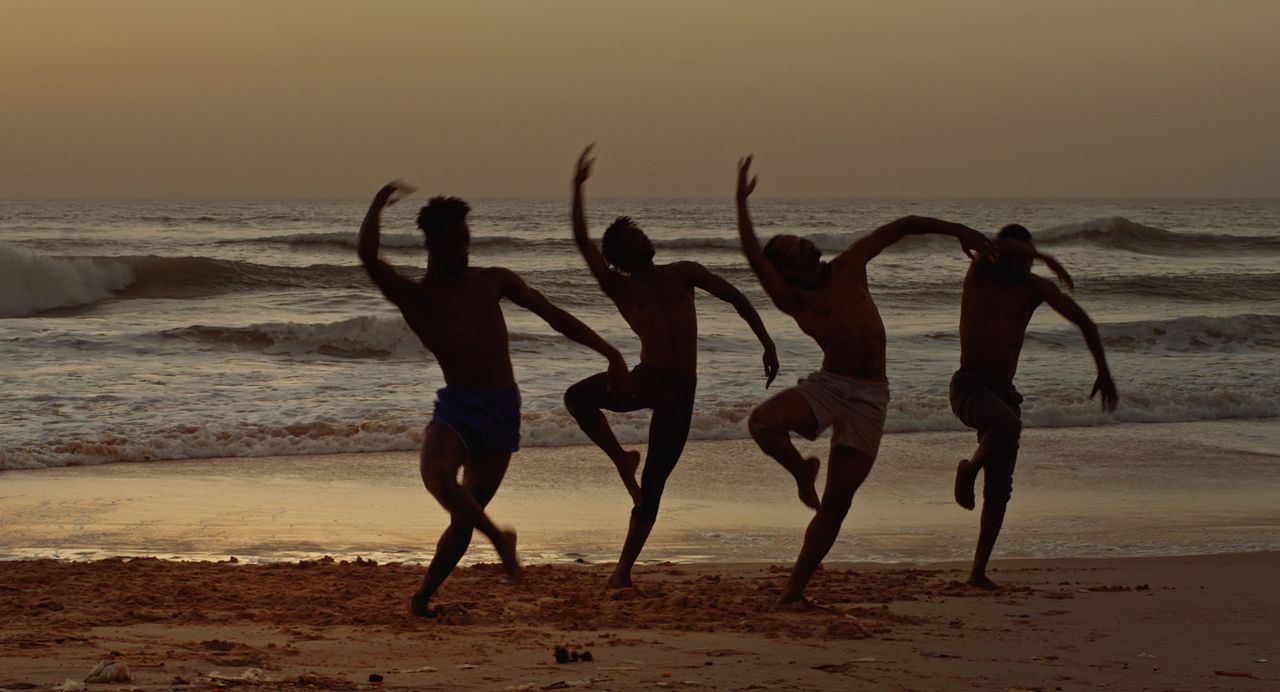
800, 605
627, 468
619, 581
418, 605
806, 476
507, 551
966, 474
980, 581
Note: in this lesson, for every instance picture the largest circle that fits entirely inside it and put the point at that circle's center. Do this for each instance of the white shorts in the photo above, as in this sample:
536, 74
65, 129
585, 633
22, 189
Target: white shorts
854, 409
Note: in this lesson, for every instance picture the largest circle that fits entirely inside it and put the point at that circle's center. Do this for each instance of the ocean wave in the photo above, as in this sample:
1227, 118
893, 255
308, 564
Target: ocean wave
189, 277
402, 431
1119, 233
358, 337
1231, 334
34, 283
1237, 333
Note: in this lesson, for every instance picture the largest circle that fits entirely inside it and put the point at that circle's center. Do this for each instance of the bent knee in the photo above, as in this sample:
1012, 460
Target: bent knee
760, 425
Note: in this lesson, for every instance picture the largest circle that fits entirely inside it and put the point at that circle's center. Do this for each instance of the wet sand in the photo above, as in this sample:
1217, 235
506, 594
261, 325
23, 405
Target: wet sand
1175, 623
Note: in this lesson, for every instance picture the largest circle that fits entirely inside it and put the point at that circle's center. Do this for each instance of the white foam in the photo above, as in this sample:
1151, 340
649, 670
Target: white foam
31, 283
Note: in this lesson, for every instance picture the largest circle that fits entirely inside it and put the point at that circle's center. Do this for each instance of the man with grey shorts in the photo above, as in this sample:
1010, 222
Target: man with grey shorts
1000, 296
831, 303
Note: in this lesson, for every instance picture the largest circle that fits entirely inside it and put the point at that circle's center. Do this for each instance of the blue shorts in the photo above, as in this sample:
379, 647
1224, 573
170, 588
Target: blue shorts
486, 420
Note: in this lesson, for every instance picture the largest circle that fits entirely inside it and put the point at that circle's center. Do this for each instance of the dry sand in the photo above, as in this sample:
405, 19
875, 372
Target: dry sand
1175, 623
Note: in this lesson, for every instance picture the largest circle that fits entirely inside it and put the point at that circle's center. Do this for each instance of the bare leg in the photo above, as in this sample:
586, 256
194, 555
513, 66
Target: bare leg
584, 401
847, 468
997, 456
990, 524
442, 455
771, 426
668, 432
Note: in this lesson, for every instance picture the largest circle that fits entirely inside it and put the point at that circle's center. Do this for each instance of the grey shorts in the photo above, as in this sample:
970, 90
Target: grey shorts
854, 409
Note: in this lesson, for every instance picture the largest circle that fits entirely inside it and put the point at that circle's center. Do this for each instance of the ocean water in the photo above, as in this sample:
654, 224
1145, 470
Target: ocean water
176, 330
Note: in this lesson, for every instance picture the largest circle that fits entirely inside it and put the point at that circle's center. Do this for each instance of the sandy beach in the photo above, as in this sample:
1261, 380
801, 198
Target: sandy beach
219, 576
1178, 623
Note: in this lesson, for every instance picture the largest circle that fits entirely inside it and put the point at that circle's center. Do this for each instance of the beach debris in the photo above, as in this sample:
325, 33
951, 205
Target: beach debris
569, 653
1259, 660
561, 685
248, 675
108, 670
1234, 674
375, 679
467, 666
931, 653
67, 685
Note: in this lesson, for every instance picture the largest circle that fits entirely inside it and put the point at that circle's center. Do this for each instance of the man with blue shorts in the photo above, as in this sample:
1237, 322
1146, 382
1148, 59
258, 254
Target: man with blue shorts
454, 309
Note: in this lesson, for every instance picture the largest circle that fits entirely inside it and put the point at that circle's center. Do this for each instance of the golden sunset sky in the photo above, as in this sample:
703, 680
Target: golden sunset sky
207, 99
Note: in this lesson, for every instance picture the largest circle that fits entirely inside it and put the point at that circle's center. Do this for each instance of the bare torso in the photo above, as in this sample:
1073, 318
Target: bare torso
459, 319
658, 305
994, 313
842, 317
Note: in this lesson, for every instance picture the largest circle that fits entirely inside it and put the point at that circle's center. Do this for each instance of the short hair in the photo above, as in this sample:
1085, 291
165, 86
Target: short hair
1015, 231
612, 235
442, 211
770, 250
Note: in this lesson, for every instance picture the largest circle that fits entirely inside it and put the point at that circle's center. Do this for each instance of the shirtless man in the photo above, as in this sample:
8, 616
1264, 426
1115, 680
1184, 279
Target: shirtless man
657, 302
999, 298
831, 303
476, 425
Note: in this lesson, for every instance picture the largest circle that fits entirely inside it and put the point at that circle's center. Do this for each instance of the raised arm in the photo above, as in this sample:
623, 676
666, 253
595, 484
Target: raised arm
392, 285
779, 291
1069, 309
718, 287
515, 289
866, 248
595, 260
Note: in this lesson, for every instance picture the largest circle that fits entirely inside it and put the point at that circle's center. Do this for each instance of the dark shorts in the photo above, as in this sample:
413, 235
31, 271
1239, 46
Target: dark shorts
993, 407
486, 420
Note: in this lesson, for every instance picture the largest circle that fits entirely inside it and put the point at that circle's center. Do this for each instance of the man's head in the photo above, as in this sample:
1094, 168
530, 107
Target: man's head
797, 259
625, 246
1016, 249
444, 223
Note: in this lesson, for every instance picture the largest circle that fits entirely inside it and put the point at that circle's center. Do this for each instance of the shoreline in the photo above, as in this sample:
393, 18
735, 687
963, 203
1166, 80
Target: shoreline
1168, 489
1204, 622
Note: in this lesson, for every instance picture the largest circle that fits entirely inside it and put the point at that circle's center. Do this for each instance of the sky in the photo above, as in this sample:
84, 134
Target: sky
213, 99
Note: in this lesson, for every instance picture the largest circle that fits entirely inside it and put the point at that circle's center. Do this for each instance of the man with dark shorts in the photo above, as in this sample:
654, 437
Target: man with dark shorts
454, 309
999, 298
656, 300
832, 303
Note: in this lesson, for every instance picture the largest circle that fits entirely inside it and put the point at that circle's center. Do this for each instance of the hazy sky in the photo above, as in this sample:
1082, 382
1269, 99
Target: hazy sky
318, 99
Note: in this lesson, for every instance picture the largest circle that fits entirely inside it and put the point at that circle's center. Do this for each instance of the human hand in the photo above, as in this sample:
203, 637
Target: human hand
619, 377
1110, 398
583, 169
770, 365
975, 243
746, 181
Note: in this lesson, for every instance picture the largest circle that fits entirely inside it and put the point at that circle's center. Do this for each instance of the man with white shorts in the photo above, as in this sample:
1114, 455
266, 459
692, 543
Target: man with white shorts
831, 303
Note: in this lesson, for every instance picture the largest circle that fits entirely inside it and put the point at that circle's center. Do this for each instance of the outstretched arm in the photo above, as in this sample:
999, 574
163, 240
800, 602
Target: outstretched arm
865, 249
392, 285
1060, 271
1069, 309
595, 260
518, 291
718, 287
782, 294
